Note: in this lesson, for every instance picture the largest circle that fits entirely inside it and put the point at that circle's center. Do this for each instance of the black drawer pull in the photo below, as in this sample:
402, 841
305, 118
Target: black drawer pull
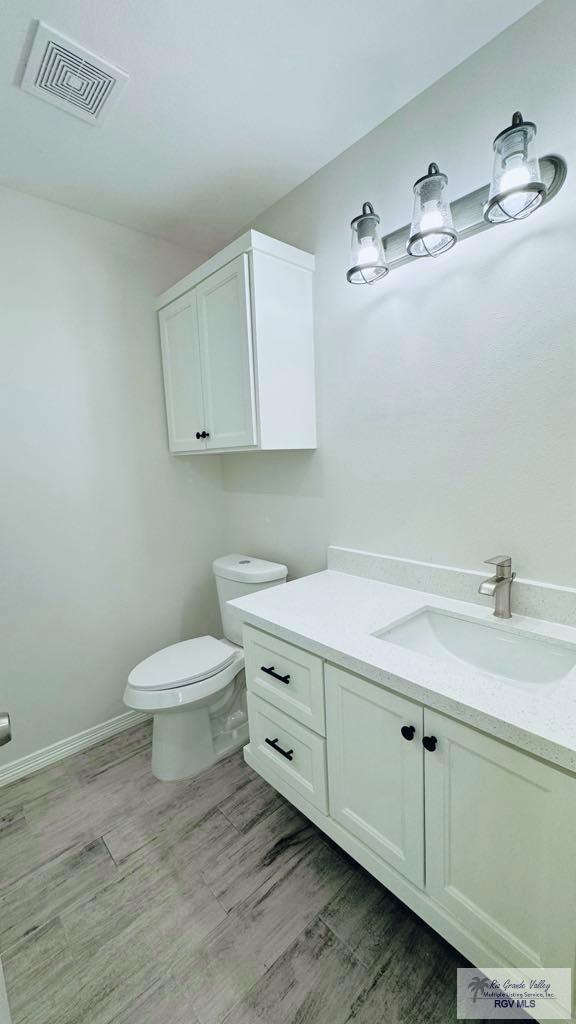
288, 754
408, 732
270, 672
201, 436
429, 742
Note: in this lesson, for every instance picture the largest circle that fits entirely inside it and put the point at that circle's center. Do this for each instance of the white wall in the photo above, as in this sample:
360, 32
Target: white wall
447, 411
447, 418
106, 538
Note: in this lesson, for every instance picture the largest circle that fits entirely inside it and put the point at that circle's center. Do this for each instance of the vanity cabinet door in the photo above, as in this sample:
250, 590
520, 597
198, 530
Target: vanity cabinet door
375, 770
182, 374
224, 318
501, 844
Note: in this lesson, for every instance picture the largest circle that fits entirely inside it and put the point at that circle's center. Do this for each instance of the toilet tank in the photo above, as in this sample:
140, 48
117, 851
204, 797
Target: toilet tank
238, 576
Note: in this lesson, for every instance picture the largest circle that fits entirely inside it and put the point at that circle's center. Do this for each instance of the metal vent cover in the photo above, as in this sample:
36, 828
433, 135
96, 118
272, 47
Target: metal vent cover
70, 77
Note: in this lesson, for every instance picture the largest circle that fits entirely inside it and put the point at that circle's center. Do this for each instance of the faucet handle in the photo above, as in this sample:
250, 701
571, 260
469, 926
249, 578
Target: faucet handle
502, 562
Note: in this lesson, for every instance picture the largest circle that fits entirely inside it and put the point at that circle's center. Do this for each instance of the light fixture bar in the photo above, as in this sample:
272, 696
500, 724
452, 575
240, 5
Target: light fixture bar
468, 212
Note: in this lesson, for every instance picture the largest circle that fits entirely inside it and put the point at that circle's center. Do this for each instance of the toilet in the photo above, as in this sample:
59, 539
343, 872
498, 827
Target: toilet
196, 690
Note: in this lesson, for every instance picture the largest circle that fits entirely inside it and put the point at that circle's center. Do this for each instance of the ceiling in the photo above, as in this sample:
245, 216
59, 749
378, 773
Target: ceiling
230, 104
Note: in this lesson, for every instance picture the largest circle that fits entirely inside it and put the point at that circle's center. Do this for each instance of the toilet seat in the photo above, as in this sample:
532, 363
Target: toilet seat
143, 695
183, 664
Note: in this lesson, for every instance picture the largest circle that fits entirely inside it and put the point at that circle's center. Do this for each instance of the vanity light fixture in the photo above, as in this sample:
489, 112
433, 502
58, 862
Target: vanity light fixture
368, 262
517, 189
521, 183
432, 231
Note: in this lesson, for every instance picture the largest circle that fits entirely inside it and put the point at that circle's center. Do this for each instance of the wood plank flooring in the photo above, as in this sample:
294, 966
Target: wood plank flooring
124, 900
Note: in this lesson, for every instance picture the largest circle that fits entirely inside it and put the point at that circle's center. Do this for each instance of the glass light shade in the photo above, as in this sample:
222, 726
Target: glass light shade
517, 189
368, 263
432, 231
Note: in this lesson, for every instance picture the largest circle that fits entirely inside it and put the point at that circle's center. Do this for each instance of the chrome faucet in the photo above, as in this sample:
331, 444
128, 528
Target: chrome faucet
500, 585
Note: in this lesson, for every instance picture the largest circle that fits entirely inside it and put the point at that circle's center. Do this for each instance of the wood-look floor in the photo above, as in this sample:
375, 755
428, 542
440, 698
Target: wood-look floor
128, 900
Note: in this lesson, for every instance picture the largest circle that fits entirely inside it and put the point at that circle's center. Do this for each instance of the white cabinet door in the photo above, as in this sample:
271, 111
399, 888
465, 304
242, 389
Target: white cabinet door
226, 353
374, 772
501, 844
182, 374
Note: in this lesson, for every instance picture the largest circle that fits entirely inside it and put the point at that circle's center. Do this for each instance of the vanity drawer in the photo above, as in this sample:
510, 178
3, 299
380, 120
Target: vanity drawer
289, 750
287, 677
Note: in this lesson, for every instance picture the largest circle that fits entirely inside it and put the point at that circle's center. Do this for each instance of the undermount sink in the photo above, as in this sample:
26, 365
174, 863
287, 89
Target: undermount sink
489, 648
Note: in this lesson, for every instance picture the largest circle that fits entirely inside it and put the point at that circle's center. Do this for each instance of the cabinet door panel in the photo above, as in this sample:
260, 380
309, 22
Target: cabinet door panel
375, 774
226, 350
501, 844
182, 374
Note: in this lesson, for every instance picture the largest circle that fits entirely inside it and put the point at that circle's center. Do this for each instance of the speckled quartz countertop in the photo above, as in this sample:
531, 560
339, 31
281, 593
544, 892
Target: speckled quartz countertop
335, 615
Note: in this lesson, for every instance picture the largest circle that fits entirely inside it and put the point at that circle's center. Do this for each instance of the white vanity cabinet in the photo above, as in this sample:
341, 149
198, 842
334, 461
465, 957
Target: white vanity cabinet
476, 836
237, 351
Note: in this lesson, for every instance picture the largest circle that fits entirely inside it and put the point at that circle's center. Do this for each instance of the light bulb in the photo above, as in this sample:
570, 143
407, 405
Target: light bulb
520, 202
431, 219
367, 252
515, 177
515, 204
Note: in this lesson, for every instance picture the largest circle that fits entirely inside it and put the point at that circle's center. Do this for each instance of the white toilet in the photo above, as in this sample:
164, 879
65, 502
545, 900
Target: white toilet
196, 689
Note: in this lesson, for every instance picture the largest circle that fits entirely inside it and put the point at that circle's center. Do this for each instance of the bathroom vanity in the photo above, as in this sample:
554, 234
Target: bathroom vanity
455, 787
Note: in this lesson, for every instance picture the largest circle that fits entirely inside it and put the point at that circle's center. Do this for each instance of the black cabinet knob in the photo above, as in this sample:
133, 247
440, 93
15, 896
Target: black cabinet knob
202, 435
408, 732
429, 742
198, 435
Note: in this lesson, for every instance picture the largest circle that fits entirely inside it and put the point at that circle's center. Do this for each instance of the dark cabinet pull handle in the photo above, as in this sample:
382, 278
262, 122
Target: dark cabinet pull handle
202, 435
429, 742
270, 672
198, 435
288, 754
408, 732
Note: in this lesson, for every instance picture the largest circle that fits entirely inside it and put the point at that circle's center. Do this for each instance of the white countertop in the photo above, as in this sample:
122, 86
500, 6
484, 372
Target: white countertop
334, 615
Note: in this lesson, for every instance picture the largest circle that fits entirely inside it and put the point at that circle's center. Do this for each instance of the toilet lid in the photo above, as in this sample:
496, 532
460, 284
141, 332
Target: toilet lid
181, 664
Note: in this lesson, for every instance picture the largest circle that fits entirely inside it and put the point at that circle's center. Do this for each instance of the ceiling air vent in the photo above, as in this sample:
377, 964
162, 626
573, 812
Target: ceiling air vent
71, 78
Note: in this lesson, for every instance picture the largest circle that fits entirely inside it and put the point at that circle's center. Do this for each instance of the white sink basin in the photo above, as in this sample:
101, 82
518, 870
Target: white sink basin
489, 648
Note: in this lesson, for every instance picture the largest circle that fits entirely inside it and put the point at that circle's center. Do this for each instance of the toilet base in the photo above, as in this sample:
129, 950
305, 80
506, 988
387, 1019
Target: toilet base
183, 743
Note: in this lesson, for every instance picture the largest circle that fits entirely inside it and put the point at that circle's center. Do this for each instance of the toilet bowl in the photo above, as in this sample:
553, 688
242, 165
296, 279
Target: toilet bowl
196, 689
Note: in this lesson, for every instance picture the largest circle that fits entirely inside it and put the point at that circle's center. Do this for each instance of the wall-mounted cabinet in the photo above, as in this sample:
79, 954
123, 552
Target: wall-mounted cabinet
238, 352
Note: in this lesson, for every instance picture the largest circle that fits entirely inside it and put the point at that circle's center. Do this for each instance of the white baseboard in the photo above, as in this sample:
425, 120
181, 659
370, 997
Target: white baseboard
57, 751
